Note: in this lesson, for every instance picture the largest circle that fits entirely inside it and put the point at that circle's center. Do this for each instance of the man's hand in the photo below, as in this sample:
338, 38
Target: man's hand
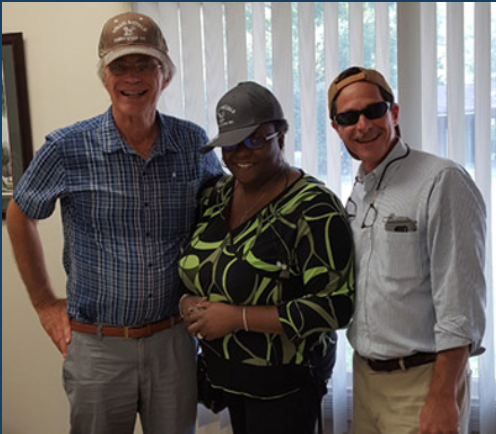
187, 305
440, 414
30, 259
54, 319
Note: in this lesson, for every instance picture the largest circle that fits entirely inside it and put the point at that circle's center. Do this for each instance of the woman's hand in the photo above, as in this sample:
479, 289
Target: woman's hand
214, 320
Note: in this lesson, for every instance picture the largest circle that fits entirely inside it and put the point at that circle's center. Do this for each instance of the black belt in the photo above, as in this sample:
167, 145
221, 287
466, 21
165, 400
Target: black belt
402, 363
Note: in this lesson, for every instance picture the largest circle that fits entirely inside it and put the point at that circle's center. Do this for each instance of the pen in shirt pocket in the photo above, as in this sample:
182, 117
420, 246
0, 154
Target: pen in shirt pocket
400, 224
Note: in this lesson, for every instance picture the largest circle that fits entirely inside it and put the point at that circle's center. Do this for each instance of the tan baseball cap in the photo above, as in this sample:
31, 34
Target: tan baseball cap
131, 33
349, 76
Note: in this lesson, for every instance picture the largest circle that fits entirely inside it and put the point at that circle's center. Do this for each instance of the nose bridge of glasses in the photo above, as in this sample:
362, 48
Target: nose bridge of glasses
237, 146
372, 111
253, 142
363, 118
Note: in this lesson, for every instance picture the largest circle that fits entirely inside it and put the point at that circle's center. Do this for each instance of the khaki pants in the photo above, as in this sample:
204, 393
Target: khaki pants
390, 402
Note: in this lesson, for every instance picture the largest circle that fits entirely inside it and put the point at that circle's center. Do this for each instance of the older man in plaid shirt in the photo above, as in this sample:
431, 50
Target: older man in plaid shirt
127, 183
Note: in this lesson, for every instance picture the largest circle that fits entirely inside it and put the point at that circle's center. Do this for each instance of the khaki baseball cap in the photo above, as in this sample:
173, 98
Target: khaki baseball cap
348, 77
131, 33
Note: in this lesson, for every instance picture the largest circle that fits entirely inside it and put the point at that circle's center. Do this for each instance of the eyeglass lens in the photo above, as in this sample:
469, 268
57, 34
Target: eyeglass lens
370, 216
372, 111
350, 209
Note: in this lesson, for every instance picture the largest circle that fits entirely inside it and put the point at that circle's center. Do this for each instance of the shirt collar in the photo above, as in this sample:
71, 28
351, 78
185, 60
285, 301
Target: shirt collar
112, 141
398, 150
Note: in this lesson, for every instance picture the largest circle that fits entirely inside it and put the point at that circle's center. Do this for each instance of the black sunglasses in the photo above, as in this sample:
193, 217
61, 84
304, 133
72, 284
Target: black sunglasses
375, 110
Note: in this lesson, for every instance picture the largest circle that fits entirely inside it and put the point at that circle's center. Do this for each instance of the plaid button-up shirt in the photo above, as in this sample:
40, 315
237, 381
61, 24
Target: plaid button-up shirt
124, 218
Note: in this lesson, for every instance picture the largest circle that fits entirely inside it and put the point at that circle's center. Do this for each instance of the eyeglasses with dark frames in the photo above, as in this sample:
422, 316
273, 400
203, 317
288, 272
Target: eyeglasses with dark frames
253, 142
371, 214
375, 110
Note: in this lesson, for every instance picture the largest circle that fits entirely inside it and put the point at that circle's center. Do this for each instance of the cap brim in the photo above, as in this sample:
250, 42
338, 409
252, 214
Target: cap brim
229, 138
133, 49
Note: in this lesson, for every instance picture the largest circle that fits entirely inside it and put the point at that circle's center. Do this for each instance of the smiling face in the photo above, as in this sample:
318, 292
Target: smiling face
368, 140
255, 167
134, 83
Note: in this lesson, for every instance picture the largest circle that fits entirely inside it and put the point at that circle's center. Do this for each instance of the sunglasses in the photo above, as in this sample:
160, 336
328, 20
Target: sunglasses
375, 110
252, 142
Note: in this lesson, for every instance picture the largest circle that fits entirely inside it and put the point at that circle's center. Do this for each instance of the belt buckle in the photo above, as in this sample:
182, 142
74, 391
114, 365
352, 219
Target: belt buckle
369, 362
126, 332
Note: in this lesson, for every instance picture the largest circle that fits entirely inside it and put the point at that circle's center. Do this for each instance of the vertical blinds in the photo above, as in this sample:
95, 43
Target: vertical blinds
296, 49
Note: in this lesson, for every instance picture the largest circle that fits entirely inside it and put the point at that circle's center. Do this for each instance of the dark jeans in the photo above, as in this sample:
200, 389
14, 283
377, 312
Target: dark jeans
293, 414
296, 413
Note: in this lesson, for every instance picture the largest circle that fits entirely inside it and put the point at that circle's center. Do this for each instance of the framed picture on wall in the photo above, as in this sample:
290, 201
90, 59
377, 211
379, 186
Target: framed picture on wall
17, 146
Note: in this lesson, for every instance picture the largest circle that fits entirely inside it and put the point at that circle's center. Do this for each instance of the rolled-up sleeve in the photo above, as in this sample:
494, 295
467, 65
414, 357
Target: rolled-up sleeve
457, 234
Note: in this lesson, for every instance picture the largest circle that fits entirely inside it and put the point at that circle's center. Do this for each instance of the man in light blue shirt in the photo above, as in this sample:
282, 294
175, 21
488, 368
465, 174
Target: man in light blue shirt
127, 182
418, 223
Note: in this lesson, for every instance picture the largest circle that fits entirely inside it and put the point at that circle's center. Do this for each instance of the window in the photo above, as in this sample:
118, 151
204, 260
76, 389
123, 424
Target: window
296, 49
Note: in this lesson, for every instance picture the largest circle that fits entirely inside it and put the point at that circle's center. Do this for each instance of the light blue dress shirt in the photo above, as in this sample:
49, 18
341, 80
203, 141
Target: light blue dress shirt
420, 251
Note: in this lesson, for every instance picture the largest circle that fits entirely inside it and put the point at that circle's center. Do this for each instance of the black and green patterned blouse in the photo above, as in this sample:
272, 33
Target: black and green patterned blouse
296, 254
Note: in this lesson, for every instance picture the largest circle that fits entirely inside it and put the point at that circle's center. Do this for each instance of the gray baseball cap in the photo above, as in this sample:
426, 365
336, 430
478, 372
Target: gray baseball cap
241, 111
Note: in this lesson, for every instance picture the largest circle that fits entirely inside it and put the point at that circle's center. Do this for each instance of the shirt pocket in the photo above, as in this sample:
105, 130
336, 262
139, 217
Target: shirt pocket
402, 258
178, 207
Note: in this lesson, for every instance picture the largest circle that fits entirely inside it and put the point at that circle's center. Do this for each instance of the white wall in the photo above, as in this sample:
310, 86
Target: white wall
60, 42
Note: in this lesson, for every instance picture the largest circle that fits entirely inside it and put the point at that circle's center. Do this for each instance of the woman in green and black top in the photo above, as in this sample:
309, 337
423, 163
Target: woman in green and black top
269, 273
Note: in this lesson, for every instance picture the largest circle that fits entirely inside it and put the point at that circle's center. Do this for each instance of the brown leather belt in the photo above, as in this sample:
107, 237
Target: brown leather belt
132, 332
402, 363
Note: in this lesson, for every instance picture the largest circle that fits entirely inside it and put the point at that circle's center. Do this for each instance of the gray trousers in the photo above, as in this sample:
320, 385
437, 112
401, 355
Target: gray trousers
109, 380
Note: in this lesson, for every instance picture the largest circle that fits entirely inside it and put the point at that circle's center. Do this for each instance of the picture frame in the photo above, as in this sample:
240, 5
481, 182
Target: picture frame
17, 146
